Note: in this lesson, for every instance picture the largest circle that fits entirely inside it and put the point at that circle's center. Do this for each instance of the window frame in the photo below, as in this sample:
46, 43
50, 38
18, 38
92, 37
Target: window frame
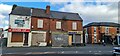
74, 25
40, 23
58, 26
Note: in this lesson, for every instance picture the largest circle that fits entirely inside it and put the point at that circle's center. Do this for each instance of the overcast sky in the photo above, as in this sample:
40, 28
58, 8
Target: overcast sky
89, 11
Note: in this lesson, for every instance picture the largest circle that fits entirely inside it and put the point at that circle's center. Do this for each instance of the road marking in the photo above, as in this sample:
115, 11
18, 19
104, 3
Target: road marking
28, 53
76, 51
99, 51
56, 47
62, 52
90, 51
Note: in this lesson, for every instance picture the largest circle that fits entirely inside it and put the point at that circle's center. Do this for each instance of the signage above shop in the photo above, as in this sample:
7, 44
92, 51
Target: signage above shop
74, 32
19, 30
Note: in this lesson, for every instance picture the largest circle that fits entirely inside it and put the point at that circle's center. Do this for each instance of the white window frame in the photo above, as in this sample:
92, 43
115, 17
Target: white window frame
40, 23
106, 29
95, 29
95, 39
85, 30
58, 24
74, 25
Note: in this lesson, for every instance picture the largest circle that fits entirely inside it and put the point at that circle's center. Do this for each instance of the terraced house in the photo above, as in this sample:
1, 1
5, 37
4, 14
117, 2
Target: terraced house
43, 27
97, 32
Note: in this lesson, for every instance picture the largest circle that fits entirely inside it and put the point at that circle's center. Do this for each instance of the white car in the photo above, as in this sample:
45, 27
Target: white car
116, 49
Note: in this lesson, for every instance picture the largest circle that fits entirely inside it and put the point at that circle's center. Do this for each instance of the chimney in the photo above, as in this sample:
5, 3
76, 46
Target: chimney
47, 9
14, 6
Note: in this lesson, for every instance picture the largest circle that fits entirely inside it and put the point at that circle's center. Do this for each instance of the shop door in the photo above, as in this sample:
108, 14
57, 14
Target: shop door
25, 39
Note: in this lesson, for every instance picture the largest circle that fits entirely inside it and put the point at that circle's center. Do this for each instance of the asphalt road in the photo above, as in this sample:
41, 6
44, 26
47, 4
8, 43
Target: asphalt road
86, 50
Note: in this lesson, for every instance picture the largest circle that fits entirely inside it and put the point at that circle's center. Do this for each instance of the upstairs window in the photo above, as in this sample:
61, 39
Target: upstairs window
106, 30
58, 25
94, 29
74, 26
40, 23
118, 30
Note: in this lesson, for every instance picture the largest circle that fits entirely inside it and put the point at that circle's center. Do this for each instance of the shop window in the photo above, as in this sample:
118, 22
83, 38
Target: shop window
17, 37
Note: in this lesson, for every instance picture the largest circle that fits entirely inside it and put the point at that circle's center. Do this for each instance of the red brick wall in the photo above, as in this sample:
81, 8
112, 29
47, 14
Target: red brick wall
67, 26
34, 23
98, 31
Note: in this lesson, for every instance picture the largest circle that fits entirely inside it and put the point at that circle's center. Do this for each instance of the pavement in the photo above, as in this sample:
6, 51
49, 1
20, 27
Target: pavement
83, 50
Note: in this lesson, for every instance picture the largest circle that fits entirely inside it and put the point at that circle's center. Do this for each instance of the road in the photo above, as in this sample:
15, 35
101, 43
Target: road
87, 50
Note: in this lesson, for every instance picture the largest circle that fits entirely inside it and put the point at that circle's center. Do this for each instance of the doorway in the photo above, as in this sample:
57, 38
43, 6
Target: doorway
25, 39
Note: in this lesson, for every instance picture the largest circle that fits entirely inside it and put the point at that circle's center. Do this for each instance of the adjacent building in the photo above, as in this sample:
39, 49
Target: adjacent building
97, 32
1, 31
43, 27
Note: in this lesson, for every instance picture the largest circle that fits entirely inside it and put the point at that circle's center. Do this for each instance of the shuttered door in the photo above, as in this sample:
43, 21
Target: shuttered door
37, 38
17, 37
77, 38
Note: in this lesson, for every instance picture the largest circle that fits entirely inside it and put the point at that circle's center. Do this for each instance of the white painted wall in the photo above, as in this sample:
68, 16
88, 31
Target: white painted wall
12, 24
10, 44
17, 44
27, 24
29, 39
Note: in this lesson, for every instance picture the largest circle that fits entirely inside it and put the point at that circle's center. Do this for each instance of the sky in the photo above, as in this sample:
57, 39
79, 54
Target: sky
92, 11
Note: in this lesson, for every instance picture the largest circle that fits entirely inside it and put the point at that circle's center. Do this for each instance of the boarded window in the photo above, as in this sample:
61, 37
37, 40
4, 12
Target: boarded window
58, 25
40, 23
74, 26
37, 38
17, 37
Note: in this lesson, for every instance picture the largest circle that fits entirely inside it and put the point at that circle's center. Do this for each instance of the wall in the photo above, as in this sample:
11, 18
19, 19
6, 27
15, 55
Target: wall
15, 20
52, 23
100, 29
10, 44
59, 39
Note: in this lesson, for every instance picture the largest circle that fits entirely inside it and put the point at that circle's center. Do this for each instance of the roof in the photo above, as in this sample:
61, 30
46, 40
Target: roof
110, 24
65, 15
37, 12
21, 11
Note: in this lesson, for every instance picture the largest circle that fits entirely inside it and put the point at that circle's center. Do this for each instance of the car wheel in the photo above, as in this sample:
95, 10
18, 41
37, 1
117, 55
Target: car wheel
114, 54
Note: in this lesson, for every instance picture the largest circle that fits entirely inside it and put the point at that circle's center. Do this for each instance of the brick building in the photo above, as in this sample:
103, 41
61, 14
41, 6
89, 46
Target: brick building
45, 27
97, 32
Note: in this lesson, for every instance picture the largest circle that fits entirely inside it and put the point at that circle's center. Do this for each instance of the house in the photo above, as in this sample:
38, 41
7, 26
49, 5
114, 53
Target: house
97, 32
19, 27
44, 27
1, 31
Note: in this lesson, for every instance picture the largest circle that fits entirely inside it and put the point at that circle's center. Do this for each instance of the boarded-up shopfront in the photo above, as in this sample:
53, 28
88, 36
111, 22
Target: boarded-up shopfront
59, 39
75, 38
38, 38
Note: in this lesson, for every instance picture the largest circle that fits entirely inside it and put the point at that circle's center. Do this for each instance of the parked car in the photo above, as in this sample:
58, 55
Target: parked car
116, 48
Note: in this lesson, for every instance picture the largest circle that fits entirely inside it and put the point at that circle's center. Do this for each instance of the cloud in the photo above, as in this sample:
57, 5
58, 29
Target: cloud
107, 12
4, 15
